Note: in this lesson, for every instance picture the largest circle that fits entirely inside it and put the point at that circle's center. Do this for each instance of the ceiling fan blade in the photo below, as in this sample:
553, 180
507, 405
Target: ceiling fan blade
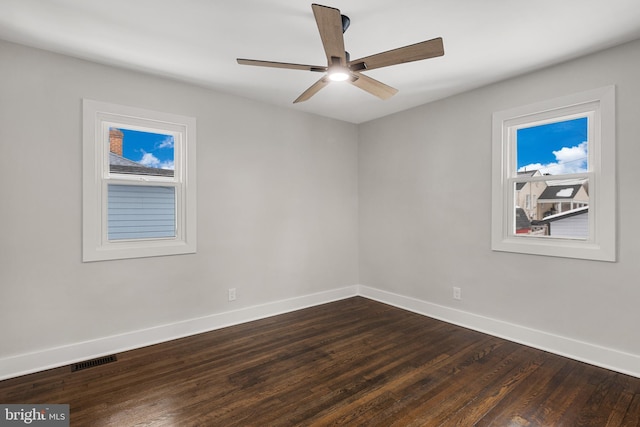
373, 86
329, 22
414, 52
312, 90
304, 67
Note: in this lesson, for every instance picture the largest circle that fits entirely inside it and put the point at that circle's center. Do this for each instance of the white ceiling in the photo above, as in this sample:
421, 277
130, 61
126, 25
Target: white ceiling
199, 40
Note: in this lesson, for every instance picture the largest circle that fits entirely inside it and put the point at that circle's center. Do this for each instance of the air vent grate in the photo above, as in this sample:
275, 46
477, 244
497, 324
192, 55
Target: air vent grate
93, 362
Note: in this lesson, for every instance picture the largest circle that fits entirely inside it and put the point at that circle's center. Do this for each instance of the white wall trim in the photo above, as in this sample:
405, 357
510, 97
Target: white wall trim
28, 363
593, 354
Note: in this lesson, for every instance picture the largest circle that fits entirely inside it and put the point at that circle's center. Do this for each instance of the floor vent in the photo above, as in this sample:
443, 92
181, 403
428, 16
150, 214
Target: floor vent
92, 363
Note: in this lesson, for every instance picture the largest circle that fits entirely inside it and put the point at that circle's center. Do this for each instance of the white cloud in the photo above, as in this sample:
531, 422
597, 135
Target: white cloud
568, 160
148, 159
166, 143
169, 164
533, 166
577, 154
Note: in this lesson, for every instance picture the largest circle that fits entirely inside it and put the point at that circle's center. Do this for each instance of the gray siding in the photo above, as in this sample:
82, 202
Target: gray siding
141, 212
576, 226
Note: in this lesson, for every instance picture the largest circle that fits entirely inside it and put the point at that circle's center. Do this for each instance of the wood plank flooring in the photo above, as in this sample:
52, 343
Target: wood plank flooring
351, 362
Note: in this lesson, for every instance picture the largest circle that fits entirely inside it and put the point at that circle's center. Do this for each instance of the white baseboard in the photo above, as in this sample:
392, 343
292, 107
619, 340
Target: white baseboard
23, 364
614, 360
593, 354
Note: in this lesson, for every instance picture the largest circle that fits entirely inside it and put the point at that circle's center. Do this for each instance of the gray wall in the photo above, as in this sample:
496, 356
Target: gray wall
277, 206
425, 211
291, 204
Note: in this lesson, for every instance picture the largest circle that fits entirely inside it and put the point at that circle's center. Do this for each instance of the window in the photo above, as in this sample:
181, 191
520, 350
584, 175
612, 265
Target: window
138, 183
553, 190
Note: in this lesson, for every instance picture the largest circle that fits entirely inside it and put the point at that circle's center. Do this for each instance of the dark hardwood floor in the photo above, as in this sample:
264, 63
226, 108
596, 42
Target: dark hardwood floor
351, 362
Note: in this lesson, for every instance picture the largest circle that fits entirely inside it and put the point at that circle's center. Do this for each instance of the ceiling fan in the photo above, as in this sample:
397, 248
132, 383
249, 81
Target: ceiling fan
340, 67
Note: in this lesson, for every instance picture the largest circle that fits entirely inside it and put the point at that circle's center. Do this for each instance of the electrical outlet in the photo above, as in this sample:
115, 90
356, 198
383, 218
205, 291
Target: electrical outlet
457, 293
232, 294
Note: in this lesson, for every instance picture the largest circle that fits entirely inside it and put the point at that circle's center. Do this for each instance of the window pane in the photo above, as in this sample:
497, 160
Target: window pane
140, 153
558, 148
554, 208
141, 212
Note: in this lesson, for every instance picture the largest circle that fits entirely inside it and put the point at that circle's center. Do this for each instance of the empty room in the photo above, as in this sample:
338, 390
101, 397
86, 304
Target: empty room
283, 213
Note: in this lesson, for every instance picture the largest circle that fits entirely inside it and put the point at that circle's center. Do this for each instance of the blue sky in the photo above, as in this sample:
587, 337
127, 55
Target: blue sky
554, 148
150, 149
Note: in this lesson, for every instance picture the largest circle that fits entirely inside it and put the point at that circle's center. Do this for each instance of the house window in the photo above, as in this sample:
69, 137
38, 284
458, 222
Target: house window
138, 183
554, 177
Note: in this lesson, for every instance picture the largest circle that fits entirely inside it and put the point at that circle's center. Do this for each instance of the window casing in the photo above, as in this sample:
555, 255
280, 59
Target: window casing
578, 204
133, 210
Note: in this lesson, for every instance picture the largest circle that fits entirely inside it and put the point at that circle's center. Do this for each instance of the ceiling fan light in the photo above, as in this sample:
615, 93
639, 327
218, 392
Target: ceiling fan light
338, 75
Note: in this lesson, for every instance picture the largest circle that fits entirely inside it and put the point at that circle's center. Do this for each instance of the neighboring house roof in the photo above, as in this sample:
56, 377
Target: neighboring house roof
560, 192
120, 164
519, 185
563, 215
528, 173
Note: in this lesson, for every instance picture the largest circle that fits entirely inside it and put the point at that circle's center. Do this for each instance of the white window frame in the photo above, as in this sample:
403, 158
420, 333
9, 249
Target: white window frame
98, 117
599, 106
